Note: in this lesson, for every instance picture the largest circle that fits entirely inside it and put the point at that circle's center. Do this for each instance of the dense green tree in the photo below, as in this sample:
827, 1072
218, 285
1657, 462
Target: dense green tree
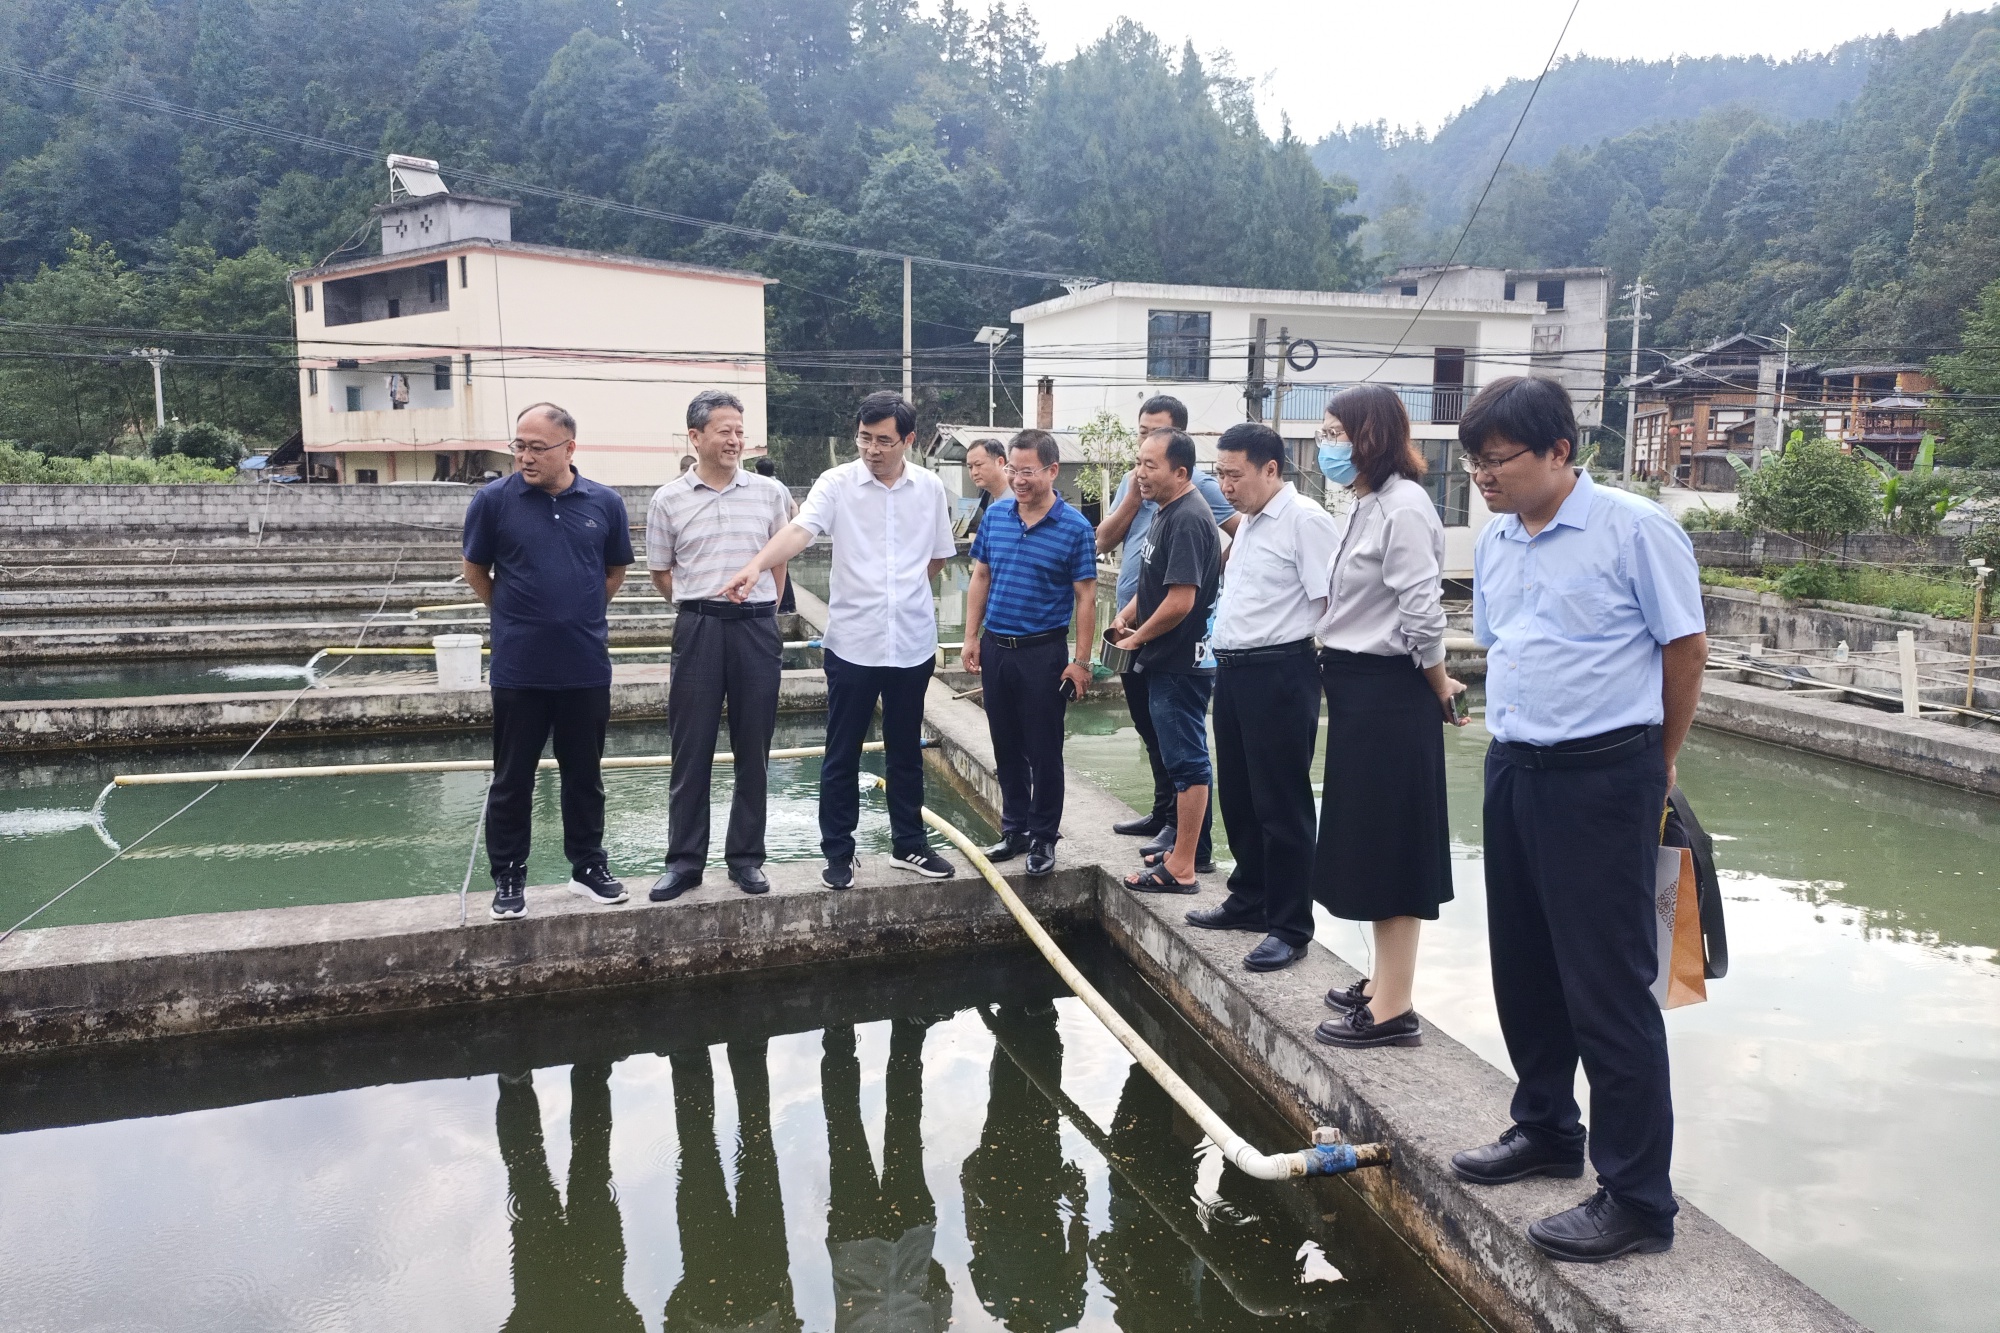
1972, 424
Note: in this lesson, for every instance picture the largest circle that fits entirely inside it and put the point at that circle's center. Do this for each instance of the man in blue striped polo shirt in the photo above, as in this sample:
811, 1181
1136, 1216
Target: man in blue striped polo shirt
1034, 571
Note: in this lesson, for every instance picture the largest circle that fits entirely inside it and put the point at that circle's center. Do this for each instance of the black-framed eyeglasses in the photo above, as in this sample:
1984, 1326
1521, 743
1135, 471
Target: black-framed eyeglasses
520, 447
1488, 465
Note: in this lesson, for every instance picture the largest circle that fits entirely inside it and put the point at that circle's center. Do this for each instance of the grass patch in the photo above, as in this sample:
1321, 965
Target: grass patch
1924, 592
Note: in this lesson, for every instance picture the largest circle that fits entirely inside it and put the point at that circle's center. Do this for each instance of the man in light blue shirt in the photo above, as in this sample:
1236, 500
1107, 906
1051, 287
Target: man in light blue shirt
1125, 526
1588, 602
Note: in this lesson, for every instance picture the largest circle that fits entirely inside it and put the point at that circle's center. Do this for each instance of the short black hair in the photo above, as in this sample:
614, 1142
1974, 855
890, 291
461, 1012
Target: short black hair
1175, 409
763, 467
1047, 452
888, 403
988, 444
1257, 440
1180, 449
1527, 409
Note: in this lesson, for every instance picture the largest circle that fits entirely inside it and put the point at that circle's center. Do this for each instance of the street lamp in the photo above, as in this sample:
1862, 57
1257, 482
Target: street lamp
992, 336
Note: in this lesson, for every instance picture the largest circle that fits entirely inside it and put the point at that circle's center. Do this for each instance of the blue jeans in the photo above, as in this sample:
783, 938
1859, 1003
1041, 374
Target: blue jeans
1178, 701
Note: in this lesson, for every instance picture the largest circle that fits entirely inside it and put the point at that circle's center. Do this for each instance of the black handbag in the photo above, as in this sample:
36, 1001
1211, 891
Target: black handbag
1682, 829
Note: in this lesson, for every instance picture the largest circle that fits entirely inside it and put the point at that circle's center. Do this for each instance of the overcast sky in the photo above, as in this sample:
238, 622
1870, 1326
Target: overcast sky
1414, 62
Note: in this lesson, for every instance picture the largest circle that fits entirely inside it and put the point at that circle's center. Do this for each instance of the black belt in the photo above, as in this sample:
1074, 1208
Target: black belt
1057, 635
1236, 657
1589, 752
725, 610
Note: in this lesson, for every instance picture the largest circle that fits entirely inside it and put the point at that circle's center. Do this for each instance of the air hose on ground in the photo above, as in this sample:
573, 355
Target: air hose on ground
1330, 1153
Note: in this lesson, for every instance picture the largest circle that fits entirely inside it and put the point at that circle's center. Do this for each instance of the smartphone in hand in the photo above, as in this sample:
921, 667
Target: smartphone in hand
1067, 690
1461, 706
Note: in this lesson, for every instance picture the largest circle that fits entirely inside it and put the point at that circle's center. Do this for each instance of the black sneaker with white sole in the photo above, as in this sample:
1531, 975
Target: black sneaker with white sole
838, 875
924, 862
510, 892
595, 882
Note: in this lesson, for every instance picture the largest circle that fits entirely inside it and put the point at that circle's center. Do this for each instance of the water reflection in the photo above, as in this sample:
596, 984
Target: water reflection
569, 1251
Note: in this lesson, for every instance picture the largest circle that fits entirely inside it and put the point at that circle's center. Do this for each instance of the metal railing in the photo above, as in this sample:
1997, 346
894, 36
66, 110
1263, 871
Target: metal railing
1427, 404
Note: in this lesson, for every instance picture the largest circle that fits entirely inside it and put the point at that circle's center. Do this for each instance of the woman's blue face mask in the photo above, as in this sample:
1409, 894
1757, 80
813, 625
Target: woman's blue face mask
1336, 461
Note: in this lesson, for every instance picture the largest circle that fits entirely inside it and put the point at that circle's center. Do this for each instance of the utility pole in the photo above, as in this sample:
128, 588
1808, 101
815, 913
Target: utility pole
1278, 391
909, 374
158, 356
1784, 372
1636, 294
992, 336
1253, 383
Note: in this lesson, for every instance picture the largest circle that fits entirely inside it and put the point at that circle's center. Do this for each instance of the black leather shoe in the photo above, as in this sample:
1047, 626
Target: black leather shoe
1351, 997
1357, 1027
1145, 826
1009, 847
673, 884
1224, 917
1600, 1228
1041, 857
1160, 843
750, 879
1515, 1156
1273, 955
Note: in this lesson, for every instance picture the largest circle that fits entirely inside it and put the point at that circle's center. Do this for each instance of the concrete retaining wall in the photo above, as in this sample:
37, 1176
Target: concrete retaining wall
1824, 625
1754, 550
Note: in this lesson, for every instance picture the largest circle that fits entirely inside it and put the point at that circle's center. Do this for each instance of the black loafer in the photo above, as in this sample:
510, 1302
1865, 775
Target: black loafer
1351, 997
1041, 857
1516, 1156
750, 879
1357, 1027
1160, 843
1009, 847
673, 884
1224, 917
1145, 826
1598, 1229
1273, 955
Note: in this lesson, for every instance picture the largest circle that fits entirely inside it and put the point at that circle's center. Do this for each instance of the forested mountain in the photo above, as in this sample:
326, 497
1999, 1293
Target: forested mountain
1870, 230
851, 120
1434, 178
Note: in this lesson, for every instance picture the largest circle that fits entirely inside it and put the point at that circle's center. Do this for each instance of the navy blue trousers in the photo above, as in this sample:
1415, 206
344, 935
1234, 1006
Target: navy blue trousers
1266, 729
1570, 857
852, 691
1024, 712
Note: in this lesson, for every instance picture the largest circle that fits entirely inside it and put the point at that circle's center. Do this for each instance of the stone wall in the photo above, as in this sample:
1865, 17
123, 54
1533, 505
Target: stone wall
243, 514
1754, 550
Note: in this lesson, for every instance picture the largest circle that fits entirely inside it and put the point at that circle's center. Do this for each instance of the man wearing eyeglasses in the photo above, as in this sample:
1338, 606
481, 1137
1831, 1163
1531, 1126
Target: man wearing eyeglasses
1034, 573
1588, 602
890, 525
547, 549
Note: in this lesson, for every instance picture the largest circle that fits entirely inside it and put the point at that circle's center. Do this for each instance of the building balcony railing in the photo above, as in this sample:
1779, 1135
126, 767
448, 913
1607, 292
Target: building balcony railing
1427, 404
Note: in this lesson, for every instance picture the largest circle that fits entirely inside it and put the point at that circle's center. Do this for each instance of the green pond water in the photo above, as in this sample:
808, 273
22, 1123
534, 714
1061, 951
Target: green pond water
1838, 1098
283, 842
834, 1149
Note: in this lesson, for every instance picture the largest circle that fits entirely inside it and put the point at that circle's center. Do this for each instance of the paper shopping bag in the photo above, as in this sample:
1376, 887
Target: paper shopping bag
1677, 922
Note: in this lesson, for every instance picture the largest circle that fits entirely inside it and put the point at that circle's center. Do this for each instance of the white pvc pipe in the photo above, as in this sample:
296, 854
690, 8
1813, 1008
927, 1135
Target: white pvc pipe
1235, 1148
428, 766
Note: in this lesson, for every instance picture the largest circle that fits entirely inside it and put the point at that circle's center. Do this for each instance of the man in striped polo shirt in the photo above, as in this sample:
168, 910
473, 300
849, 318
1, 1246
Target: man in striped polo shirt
1034, 571
700, 529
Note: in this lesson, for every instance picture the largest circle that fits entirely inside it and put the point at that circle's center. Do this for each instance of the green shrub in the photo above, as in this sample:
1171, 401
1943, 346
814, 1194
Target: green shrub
1812, 487
25, 467
1813, 579
202, 441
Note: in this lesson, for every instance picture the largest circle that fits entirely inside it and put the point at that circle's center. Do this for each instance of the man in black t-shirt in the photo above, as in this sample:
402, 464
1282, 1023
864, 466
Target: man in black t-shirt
1166, 625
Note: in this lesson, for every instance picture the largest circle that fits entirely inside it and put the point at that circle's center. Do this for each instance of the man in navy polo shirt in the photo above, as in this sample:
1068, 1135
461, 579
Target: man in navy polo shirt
1034, 570
547, 550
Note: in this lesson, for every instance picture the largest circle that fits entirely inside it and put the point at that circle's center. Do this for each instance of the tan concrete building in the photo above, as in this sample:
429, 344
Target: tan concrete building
413, 363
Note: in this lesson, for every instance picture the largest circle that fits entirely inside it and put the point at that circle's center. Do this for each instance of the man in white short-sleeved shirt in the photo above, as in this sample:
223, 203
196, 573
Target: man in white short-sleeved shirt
890, 525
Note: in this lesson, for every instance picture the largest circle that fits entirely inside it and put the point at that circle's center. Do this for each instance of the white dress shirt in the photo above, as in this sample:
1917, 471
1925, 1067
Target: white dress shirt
1386, 597
1274, 588
879, 608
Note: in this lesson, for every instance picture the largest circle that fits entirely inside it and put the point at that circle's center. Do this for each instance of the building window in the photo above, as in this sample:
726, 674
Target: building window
1549, 291
437, 286
1177, 344
354, 397
441, 377
365, 475
1508, 295
307, 289
1449, 484
1682, 412
395, 308
1408, 289
1546, 343
468, 370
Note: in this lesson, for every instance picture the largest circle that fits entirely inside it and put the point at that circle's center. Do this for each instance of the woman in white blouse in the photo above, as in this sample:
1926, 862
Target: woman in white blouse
1383, 853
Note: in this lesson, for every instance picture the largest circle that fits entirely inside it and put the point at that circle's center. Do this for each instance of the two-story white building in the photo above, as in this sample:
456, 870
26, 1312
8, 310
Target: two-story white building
1112, 346
413, 363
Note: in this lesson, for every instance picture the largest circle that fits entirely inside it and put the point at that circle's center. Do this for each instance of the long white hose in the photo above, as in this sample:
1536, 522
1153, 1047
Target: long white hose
1329, 1155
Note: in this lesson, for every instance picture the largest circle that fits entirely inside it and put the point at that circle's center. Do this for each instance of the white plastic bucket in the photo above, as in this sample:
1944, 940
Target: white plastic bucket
457, 661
